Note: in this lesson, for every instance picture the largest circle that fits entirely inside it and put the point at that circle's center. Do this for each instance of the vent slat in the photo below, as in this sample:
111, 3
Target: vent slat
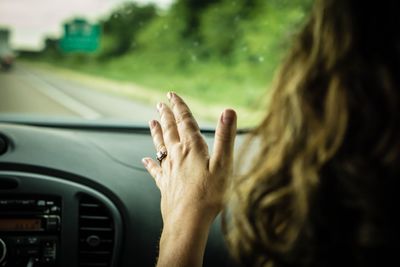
97, 229
92, 264
95, 252
102, 240
96, 233
91, 217
89, 205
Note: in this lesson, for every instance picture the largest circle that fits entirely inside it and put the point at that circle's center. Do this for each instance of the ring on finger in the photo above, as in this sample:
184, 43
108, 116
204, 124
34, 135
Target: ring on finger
161, 155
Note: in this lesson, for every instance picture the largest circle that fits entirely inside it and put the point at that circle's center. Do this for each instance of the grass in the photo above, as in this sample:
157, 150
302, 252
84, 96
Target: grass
209, 87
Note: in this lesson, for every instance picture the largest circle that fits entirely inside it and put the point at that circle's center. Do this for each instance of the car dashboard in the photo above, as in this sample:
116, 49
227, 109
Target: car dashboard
74, 195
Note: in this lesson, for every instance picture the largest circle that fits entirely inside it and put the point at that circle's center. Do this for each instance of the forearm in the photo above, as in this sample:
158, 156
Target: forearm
183, 242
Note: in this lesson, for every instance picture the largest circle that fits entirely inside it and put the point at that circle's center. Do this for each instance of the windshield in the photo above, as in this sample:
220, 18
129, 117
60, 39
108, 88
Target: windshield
114, 60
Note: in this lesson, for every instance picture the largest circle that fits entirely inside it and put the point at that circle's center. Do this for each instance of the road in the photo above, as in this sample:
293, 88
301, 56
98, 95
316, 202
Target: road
31, 91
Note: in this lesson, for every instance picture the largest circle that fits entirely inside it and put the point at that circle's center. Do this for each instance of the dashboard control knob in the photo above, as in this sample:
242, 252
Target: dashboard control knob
93, 240
3, 250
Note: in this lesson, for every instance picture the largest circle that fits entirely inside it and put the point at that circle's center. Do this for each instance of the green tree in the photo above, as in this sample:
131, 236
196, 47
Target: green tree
122, 26
190, 11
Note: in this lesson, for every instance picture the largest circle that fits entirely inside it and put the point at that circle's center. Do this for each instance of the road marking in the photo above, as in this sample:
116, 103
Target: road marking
64, 99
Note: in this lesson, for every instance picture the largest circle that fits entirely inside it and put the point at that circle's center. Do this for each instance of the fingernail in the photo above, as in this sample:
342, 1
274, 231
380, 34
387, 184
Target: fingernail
170, 95
145, 162
228, 117
159, 106
152, 124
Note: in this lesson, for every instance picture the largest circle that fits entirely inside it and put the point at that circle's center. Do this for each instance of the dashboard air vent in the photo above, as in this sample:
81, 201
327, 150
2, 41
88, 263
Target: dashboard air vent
96, 233
3, 145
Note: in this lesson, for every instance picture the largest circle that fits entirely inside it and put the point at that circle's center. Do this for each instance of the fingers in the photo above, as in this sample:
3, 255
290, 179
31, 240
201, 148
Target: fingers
153, 168
186, 124
168, 124
224, 139
157, 134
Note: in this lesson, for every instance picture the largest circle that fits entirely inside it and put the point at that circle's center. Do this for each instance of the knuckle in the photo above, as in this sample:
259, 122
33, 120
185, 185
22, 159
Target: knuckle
167, 116
183, 149
163, 117
160, 147
192, 128
223, 136
155, 131
157, 138
184, 116
178, 100
186, 148
174, 103
176, 148
187, 144
152, 171
168, 126
158, 141
200, 146
194, 140
219, 164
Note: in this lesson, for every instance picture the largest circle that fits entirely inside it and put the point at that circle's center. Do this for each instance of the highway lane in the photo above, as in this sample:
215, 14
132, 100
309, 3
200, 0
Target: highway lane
25, 90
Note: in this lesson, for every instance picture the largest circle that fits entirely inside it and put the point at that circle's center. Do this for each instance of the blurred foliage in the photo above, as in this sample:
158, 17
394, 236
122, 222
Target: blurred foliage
122, 26
220, 51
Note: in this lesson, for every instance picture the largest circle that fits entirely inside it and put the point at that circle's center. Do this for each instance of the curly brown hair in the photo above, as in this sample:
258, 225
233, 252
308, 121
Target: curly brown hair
322, 189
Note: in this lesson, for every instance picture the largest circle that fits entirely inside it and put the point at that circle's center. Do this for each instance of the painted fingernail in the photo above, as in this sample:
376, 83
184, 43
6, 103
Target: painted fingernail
152, 124
228, 116
145, 162
159, 106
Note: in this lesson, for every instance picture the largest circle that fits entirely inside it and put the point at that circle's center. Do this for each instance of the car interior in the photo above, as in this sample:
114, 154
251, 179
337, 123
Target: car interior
77, 195
79, 82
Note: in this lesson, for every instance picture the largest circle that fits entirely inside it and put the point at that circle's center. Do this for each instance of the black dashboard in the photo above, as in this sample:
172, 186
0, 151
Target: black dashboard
73, 195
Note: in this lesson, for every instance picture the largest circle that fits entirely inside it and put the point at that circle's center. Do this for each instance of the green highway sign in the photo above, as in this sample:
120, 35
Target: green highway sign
80, 36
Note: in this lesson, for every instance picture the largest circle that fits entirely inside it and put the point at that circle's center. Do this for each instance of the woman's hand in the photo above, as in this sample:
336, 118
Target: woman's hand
191, 181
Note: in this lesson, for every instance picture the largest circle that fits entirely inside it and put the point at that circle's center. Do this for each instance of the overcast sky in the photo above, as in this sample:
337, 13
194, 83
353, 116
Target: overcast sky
31, 20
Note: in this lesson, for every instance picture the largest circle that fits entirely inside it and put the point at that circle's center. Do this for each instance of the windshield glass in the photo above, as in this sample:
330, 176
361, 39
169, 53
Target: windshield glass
114, 60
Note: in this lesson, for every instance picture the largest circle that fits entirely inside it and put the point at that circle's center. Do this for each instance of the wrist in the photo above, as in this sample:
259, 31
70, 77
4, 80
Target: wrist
183, 224
188, 212
183, 241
